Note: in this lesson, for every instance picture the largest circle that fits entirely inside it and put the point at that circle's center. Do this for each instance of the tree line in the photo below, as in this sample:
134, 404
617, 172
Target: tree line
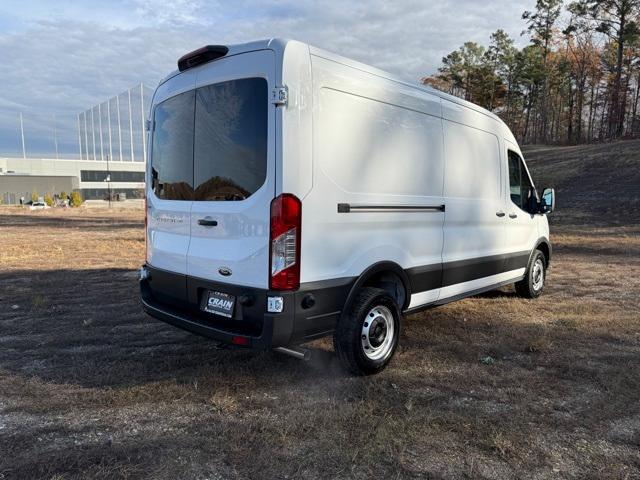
577, 81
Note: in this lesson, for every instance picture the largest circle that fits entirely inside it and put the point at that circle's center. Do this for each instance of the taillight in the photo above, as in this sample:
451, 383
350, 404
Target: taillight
284, 265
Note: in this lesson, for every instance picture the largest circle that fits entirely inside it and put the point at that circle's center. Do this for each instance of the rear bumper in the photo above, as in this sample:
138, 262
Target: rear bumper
310, 312
186, 320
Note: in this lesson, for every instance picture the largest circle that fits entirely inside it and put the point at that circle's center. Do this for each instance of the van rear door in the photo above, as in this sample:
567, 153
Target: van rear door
234, 170
170, 178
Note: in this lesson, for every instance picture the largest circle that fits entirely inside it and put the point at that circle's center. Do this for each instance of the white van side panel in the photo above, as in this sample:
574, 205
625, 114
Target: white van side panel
456, 112
375, 142
472, 163
390, 150
473, 192
168, 230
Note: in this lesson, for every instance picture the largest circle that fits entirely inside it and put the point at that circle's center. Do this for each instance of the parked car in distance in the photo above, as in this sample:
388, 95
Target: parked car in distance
39, 204
293, 194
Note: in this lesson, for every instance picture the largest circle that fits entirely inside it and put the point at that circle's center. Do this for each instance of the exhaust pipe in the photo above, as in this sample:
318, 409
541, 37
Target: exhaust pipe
299, 353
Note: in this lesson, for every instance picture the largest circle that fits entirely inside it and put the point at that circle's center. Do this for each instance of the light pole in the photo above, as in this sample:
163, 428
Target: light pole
108, 180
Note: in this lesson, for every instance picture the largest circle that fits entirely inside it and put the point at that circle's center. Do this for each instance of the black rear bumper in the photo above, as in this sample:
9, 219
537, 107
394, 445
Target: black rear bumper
310, 312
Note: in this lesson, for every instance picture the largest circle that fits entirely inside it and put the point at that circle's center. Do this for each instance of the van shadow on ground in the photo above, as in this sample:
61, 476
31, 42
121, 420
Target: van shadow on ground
87, 328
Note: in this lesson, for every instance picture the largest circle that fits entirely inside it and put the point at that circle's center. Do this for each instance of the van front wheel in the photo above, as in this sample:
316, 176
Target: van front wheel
532, 285
367, 334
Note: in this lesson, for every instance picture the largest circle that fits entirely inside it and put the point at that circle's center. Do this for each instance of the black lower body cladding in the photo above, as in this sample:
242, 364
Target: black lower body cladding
308, 313
311, 312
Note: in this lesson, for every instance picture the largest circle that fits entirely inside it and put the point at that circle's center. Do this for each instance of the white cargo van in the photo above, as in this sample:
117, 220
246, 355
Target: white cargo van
293, 193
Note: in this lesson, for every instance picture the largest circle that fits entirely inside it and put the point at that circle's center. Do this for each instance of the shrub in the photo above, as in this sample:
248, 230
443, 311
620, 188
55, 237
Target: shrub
34, 196
76, 199
63, 195
48, 199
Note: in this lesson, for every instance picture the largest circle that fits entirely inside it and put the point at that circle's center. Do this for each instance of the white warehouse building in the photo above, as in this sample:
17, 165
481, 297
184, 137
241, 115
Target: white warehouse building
20, 177
97, 152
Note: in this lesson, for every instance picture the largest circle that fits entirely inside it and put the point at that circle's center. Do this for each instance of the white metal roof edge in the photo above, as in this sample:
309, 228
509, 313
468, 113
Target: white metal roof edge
279, 45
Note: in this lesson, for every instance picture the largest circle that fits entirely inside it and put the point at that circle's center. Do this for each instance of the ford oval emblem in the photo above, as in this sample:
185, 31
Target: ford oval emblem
224, 271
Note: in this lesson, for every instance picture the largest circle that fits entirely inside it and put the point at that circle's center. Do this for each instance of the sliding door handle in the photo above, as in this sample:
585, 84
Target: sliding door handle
513, 215
500, 213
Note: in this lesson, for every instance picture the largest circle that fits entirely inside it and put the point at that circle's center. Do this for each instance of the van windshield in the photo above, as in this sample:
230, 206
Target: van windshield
210, 144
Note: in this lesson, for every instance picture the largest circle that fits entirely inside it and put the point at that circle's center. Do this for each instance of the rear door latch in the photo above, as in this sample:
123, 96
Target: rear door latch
280, 96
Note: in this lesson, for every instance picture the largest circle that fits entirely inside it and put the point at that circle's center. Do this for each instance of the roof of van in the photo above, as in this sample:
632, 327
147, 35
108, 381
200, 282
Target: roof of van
279, 45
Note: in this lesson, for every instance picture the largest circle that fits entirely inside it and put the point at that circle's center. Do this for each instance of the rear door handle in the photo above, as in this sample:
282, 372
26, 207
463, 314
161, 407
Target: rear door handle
500, 213
513, 215
208, 222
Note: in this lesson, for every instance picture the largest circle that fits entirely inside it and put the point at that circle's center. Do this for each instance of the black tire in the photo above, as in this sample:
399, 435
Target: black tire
348, 337
531, 286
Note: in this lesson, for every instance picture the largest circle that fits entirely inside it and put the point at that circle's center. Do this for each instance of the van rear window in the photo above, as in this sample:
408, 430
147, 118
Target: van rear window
210, 144
172, 148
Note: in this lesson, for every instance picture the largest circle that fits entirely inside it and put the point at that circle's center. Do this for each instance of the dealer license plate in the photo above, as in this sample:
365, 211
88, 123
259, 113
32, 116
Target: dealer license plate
219, 303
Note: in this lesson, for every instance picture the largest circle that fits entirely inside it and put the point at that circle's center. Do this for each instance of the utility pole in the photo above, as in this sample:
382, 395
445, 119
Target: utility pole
119, 126
144, 140
86, 136
79, 137
108, 180
109, 120
130, 125
55, 136
93, 134
24, 150
100, 125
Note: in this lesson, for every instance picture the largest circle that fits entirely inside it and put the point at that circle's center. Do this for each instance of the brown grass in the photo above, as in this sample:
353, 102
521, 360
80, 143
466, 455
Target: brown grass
489, 387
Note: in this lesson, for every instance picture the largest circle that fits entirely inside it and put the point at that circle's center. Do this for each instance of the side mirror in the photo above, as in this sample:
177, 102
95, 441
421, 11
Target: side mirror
548, 201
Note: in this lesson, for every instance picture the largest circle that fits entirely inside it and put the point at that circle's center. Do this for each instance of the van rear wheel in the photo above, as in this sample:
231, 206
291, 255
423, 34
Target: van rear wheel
367, 335
532, 285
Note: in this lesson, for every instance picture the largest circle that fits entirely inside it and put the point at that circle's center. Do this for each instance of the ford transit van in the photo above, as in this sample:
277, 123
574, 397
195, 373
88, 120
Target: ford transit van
293, 194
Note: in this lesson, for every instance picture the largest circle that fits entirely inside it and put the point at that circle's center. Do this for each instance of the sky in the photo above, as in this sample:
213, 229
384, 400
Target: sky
61, 57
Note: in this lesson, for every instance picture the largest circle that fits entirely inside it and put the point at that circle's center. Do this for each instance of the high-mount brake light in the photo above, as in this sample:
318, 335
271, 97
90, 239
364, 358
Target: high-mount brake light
201, 55
284, 264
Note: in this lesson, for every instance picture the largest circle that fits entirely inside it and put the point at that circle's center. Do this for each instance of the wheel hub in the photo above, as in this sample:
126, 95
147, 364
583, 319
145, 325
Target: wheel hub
377, 333
538, 275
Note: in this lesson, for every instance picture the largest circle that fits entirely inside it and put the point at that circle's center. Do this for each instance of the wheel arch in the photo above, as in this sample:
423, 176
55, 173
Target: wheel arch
384, 275
544, 246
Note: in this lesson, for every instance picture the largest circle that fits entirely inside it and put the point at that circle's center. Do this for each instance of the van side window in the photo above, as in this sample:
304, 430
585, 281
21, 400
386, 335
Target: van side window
520, 188
172, 148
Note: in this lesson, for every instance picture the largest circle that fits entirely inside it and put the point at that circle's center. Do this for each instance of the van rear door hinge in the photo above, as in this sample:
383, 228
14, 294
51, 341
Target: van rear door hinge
280, 96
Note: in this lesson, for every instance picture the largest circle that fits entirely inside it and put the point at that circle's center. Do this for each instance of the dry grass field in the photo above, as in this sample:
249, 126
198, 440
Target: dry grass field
490, 387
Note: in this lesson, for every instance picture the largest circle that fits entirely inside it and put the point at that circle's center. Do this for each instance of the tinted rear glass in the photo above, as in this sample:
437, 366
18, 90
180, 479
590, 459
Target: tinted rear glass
172, 149
212, 145
230, 157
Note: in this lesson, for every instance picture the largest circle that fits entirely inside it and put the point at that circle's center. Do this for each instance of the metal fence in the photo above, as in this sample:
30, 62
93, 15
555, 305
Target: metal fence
113, 129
